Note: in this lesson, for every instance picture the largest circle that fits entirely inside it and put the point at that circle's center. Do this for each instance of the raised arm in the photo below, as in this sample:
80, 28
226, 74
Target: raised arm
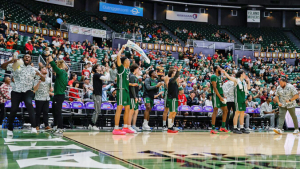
173, 80
227, 75
119, 55
5, 64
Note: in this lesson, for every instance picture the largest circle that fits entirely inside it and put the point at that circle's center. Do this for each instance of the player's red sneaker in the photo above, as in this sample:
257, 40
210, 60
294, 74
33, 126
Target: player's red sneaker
172, 131
118, 132
224, 130
214, 132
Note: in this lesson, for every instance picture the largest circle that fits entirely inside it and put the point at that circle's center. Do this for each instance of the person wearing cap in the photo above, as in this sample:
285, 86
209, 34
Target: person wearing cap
267, 112
286, 95
112, 96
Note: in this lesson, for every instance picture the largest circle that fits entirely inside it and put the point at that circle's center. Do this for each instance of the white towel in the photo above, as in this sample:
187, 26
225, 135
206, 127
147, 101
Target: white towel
242, 85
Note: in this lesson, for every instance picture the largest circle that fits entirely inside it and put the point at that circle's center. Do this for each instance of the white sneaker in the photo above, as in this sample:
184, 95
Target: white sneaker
58, 132
296, 131
165, 128
33, 130
136, 129
271, 129
248, 129
130, 128
146, 127
54, 128
278, 131
9, 133
95, 128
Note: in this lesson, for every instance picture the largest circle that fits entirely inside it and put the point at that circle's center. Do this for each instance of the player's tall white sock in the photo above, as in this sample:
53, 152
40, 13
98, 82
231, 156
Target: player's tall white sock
129, 126
164, 123
235, 126
145, 121
116, 127
125, 125
242, 126
170, 124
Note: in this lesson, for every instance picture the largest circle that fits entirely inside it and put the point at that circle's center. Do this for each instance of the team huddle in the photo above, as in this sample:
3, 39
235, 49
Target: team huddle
128, 87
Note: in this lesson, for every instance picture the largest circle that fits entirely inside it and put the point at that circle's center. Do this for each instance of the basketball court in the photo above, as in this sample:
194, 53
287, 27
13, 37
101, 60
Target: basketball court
83, 149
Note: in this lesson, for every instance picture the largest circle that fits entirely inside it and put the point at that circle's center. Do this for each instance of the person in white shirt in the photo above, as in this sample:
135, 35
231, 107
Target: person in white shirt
266, 111
56, 43
208, 101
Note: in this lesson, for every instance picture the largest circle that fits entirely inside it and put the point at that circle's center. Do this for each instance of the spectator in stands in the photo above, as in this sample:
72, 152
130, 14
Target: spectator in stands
112, 96
67, 59
181, 97
208, 101
68, 49
74, 92
87, 88
13, 33
244, 60
39, 18
93, 59
264, 97
29, 47
10, 44
266, 111
56, 43
33, 18
85, 72
104, 92
3, 29
73, 79
5, 90
192, 99
113, 72
249, 102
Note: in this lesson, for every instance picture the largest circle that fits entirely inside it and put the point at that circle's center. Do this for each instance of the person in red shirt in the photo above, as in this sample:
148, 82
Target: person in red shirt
264, 97
85, 72
159, 31
209, 58
216, 55
29, 47
249, 60
74, 92
190, 33
181, 97
74, 78
10, 44
244, 60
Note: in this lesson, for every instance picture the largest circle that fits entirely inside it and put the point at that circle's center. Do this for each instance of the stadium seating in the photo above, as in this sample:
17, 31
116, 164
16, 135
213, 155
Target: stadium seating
269, 35
18, 15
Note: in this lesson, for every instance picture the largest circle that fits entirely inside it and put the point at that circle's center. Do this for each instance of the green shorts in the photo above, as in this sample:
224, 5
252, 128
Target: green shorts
133, 105
217, 102
166, 99
123, 98
148, 100
240, 106
172, 104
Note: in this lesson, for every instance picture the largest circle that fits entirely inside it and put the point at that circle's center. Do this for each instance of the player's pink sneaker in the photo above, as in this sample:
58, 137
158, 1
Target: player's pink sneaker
127, 130
118, 132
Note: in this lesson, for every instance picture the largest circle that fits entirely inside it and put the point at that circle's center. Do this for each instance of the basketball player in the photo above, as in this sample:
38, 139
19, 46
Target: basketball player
151, 88
240, 91
24, 77
60, 86
98, 79
41, 90
172, 101
123, 97
286, 95
217, 100
166, 111
134, 99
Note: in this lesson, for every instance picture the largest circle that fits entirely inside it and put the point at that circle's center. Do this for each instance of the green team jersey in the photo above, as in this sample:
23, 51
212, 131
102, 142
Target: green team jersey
217, 79
123, 78
240, 94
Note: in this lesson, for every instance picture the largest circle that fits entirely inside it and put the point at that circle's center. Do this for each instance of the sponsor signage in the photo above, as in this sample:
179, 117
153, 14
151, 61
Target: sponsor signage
253, 16
120, 9
186, 16
59, 2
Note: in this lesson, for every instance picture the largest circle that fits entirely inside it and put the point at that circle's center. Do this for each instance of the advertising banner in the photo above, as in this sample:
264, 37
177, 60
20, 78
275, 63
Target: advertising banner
59, 2
120, 9
186, 16
99, 33
253, 16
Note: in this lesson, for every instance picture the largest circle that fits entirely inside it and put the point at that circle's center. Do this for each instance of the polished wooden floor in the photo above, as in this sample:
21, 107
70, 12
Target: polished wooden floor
255, 149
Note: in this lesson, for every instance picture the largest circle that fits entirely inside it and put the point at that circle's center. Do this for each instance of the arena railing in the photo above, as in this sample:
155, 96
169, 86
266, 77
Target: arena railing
132, 36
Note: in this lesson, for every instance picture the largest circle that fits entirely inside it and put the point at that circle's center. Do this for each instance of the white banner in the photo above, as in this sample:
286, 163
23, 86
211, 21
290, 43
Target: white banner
253, 16
186, 16
59, 2
87, 31
297, 20
99, 33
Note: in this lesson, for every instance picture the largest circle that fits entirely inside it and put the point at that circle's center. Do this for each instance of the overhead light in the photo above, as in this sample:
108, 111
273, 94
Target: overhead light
186, 8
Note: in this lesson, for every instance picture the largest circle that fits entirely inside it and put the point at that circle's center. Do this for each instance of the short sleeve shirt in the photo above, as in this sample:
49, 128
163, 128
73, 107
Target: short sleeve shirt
218, 80
42, 93
285, 94
24, 77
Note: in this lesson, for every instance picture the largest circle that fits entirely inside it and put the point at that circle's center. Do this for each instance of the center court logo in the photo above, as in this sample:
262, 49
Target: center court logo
135, 11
